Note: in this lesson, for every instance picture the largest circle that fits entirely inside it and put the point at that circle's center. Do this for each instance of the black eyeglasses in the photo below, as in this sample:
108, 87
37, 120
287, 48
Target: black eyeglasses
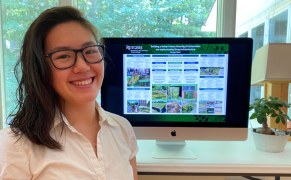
64, 59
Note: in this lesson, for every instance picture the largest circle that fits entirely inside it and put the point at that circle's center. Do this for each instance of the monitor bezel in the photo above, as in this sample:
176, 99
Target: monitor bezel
238, 93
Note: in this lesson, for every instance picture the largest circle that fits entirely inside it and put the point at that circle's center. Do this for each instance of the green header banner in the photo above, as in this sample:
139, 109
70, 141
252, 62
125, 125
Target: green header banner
177, 49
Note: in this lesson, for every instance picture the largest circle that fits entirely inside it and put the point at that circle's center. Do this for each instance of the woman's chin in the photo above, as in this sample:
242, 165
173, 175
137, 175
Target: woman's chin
85, 99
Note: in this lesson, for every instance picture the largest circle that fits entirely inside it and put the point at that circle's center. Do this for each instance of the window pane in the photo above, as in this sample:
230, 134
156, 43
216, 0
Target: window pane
278, 28
258, 36
149, 18
16, 16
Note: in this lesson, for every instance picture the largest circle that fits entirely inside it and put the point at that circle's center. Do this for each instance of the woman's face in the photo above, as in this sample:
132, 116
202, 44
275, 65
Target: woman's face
81, 83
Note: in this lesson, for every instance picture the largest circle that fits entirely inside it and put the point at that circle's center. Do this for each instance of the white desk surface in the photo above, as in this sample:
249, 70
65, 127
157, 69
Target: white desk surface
217, 157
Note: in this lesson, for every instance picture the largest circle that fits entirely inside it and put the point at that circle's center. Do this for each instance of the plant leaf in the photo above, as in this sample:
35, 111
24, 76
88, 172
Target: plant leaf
253, 116
278, 119
274, 115
283, 119
261, 120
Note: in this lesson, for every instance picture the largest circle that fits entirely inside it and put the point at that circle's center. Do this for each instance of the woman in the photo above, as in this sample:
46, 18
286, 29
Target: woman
59, 131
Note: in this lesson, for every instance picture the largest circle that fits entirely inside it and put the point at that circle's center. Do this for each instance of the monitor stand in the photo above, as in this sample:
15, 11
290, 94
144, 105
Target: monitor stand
172, 150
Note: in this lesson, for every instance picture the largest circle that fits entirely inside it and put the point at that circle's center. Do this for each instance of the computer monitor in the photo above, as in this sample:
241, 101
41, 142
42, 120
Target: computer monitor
175, 89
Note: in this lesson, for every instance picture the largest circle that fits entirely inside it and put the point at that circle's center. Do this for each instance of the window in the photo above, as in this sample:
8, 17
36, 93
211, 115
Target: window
115, 18
266, 22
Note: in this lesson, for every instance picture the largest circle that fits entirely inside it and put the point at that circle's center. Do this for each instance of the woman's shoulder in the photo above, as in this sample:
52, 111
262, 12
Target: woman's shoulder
7, 137
124, 129
14, 157
8, 140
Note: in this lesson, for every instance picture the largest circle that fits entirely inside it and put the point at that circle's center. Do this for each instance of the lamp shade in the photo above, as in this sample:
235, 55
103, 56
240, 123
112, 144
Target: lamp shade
272, 62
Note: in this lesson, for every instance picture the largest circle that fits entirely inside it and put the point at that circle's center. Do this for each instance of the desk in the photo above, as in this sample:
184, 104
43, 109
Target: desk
240, 158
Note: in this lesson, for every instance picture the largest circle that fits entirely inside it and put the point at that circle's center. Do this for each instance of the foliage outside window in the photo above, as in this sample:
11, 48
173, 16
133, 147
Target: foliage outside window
149, 18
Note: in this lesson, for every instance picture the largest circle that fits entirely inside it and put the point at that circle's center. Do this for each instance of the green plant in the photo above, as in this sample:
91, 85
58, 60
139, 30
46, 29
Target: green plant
268, 107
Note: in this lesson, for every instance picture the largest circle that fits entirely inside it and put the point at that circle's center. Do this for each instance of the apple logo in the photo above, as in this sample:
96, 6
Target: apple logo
173, 133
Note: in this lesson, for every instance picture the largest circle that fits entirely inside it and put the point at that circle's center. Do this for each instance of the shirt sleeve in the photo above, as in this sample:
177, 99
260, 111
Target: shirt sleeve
133, 143
13, 161
126, 130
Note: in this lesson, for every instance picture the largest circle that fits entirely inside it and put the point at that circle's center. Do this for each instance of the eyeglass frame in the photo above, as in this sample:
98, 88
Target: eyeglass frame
76, 51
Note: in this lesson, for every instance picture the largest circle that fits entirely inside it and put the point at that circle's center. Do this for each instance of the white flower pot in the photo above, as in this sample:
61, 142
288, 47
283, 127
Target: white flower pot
270, 143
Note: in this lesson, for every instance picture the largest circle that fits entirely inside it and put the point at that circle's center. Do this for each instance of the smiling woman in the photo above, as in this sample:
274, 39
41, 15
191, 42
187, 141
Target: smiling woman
58, 120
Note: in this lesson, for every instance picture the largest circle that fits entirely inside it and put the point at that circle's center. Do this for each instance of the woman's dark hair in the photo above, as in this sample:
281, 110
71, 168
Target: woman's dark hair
38, 102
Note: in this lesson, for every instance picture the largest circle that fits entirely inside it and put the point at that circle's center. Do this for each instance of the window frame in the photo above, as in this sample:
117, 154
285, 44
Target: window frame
2, 86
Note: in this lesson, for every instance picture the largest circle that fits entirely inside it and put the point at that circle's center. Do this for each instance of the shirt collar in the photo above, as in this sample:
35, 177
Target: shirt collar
103, 116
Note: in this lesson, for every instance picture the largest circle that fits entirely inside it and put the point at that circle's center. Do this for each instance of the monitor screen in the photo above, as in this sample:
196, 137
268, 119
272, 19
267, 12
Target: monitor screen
179, 88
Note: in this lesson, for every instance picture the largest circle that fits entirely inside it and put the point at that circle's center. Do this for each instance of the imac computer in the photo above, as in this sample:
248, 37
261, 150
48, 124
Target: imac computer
177, 89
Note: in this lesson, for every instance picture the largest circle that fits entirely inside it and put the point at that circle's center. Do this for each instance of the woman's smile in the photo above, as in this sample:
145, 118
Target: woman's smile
83, 82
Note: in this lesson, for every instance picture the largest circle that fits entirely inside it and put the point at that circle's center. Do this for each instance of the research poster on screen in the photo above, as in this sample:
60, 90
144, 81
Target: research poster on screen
175, 79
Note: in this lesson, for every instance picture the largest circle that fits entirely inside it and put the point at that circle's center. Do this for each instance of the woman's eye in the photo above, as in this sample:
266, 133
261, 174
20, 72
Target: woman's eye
91, 51
62, 57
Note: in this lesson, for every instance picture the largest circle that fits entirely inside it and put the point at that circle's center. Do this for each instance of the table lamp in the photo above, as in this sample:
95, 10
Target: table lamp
272, 69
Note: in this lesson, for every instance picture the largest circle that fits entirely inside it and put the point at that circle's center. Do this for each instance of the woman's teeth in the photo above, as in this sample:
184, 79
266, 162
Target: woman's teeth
83, 82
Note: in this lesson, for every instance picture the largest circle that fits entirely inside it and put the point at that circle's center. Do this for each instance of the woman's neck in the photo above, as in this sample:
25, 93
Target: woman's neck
80, 114
84, 118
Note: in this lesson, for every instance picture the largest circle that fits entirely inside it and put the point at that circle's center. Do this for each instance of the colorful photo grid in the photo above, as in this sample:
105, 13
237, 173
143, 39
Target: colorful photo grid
174, 99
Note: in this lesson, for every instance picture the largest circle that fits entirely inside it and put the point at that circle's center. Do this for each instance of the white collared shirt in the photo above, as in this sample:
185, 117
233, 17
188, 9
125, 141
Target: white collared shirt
116, 146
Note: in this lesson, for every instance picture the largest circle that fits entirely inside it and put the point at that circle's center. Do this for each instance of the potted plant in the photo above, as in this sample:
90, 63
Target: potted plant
264, 136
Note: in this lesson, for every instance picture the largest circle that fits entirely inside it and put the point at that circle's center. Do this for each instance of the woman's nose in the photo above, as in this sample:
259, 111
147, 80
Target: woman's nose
81, 64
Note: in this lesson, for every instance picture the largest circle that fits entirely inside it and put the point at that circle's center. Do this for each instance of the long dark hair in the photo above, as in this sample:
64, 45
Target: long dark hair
38, 103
